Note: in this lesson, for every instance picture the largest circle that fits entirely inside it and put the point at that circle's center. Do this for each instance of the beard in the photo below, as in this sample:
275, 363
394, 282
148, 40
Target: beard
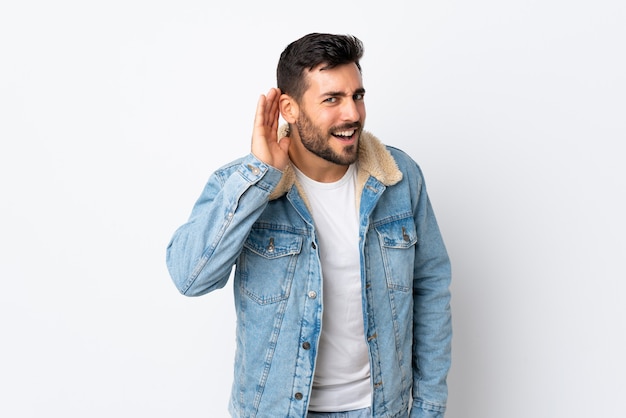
317, 142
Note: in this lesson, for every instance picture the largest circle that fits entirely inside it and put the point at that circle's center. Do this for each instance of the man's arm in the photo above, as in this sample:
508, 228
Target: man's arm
202, 252
432, 329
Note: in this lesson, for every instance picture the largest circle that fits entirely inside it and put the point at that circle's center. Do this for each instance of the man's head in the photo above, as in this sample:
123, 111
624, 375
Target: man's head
319, 76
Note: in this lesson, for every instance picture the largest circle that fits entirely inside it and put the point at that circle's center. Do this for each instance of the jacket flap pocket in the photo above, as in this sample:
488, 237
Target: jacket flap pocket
272, 243
399, 233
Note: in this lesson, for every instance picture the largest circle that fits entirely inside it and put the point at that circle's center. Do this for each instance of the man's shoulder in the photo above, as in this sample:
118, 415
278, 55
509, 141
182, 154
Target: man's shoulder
399, 154
405, 162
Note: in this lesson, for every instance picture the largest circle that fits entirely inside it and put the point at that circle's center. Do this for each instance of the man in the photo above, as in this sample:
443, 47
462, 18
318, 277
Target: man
342, 278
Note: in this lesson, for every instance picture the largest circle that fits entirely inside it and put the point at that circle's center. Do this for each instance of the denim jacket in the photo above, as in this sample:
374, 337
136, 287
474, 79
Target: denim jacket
257, 218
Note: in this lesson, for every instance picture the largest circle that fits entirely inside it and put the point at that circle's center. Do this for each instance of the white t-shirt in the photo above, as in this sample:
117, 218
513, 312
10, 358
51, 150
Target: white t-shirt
342, 371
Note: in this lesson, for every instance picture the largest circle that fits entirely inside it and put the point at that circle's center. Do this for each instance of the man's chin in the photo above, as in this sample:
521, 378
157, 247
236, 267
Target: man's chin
350, 155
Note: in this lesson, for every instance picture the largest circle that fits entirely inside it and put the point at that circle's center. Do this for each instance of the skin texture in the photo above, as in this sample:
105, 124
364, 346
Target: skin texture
332, 104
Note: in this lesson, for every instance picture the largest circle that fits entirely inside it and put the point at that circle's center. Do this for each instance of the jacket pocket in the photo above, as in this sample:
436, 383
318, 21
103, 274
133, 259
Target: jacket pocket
268, 263
397, 240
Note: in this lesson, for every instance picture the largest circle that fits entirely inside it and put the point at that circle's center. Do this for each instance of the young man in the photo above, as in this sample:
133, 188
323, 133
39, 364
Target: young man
342, 278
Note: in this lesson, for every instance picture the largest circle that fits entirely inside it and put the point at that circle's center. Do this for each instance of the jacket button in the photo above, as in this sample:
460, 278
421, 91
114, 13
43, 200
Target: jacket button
312, 294
298, 396
255, 170
306, 345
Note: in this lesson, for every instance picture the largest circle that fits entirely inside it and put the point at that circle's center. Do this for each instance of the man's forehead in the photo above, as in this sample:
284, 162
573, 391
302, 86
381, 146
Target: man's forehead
346, 77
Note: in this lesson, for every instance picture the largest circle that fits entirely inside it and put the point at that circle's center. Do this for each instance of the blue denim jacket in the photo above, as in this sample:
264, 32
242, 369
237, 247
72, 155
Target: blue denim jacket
256, 217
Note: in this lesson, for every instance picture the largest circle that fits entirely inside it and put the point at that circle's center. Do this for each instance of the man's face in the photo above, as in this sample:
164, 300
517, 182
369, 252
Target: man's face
332, 114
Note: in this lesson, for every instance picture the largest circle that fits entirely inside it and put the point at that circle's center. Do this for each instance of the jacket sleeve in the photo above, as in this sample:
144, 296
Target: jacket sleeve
202, 252
432, 326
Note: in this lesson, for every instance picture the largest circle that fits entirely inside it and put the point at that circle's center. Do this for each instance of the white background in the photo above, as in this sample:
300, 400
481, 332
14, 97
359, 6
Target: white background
113, 114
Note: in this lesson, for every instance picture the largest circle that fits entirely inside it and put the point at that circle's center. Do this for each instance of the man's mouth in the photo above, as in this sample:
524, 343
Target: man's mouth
347, 132
344, 135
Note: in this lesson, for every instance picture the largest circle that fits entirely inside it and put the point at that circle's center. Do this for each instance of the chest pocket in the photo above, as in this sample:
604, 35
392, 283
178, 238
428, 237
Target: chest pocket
397, 240
268, 263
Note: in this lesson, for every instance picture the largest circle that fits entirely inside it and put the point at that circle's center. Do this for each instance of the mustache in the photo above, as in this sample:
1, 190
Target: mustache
347, 126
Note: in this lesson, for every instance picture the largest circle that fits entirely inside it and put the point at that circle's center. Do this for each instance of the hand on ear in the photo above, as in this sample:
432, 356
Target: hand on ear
265, 144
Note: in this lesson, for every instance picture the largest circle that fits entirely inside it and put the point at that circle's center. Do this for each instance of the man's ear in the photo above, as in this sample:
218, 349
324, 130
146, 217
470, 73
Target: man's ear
289, 109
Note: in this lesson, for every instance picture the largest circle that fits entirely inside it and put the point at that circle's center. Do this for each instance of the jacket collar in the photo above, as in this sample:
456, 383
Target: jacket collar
374, 160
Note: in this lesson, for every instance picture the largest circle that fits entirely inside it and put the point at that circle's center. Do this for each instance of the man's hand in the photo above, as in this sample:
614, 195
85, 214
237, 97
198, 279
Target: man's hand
265, 144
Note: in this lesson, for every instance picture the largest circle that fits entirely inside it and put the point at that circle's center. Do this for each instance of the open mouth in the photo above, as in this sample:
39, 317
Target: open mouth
345, 135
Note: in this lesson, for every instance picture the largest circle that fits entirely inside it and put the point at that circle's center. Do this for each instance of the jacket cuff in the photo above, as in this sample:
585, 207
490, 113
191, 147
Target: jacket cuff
421, 409
254, 171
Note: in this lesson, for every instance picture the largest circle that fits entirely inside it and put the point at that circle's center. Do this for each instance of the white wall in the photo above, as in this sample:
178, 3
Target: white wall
113, 114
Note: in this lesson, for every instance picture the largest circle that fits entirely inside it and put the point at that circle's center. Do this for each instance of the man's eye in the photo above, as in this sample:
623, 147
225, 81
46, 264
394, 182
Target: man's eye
331, 100
359, 96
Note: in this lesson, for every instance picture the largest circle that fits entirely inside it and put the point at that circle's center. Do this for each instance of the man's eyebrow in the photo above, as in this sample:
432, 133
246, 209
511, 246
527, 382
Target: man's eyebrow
342, 93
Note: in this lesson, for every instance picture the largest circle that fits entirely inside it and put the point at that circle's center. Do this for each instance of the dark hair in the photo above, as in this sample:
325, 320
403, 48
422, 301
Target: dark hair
311, 51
